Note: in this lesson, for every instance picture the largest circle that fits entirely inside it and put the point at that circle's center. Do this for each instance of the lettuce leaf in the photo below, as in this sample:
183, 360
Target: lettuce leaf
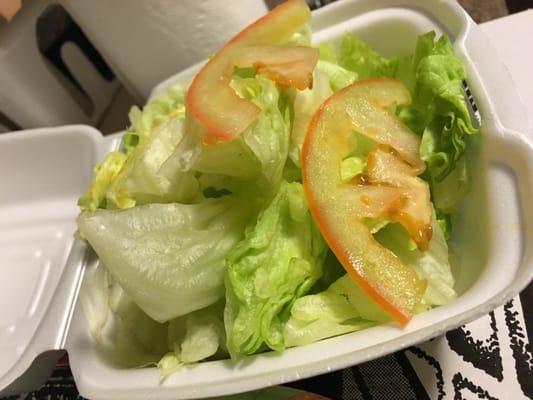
126, 337
194, 337
169, 258
169, 105
104, 174
140, 181
357, 56
305, 103
433, 265
123, 334
338, 76
133, 177
328, 52
166, 160
440, 114
204, 334
344, 307
268, 138
278, 261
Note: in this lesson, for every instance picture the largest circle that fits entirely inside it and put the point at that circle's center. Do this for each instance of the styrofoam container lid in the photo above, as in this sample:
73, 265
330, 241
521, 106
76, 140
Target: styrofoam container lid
42, 172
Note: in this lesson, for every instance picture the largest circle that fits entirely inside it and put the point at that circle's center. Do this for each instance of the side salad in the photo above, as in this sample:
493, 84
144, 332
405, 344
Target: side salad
287, 194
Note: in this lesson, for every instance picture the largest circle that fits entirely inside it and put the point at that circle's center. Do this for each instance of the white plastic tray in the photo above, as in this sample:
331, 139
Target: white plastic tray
494, 257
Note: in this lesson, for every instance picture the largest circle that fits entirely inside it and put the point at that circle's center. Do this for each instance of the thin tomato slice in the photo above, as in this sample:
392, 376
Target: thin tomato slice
340, 208
211, 100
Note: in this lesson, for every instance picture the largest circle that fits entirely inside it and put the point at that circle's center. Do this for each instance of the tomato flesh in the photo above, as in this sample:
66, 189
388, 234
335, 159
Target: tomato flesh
290, 66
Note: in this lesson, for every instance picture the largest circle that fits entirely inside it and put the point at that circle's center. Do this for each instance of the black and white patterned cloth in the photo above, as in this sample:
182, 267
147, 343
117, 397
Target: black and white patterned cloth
490, 358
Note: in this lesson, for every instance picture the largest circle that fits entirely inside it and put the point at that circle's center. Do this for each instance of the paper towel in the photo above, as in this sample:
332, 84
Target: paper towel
145, 42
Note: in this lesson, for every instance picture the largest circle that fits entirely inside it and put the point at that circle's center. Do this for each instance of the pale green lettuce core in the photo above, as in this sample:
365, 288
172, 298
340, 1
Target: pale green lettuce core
169, 258
305, 104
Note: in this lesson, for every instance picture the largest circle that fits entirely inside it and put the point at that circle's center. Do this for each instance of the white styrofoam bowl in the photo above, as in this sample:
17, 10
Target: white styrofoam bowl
493, 259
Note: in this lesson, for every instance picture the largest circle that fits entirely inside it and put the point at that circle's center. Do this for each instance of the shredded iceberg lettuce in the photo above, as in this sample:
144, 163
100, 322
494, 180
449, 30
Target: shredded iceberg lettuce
209, 250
